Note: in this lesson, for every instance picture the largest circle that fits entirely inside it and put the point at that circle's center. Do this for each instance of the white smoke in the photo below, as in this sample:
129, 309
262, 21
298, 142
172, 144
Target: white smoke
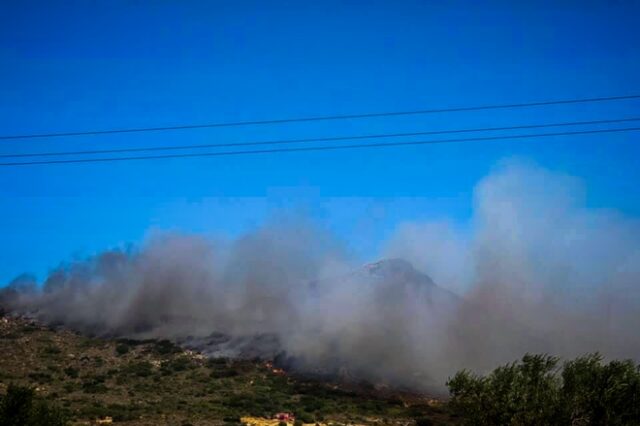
541, 272
537, 272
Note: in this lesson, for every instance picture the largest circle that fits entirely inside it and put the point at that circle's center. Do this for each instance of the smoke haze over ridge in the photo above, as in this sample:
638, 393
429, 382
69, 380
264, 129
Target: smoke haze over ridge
536, 272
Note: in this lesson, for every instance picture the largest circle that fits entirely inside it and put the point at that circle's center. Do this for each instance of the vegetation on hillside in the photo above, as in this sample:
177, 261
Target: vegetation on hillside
56, 377
537, 391
157, 383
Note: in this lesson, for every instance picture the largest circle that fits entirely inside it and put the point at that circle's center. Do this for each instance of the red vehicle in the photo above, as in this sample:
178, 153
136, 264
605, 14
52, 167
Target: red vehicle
284, 417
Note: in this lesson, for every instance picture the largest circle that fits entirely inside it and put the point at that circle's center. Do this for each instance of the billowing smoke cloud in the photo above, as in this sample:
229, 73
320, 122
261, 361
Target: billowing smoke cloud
539, 271
536, 272
181, 284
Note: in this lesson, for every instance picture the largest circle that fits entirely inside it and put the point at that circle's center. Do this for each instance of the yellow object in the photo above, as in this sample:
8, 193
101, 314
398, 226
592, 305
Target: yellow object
260, 421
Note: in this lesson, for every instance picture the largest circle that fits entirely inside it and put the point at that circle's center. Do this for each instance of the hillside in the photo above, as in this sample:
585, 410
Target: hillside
156, 383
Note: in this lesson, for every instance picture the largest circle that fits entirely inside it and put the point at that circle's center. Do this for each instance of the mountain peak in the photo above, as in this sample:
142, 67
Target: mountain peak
399, 269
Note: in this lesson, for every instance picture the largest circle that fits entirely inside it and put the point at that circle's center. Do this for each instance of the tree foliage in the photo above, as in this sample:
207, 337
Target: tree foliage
20, 407
535, 391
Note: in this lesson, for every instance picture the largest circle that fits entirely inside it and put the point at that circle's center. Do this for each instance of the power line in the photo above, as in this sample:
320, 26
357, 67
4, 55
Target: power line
320, 118
317, 148
325, 139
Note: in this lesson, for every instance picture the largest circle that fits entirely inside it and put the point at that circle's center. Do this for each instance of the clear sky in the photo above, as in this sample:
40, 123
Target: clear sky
78, 65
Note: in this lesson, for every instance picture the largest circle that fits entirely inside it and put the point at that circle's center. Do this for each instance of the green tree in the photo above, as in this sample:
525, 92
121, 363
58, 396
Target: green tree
524, 393
535, 391
602, 394
20, 407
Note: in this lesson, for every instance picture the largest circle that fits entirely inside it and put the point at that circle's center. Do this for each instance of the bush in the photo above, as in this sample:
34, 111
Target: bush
122, 413
137, 369
51, 350
221, 374
305, 417
71, 372
166, 347
21, 408
29, 328
423, 421
602, 393
176, 365
534, 392
94, 384
122, 349
40, 377
217, 362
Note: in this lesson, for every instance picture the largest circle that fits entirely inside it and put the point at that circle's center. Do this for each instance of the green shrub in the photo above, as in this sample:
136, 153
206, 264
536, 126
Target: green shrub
181, 363
535, 391
29, 328
217, 362
221, 374
12, 335
423, 421
122, 413
122, 349
40, 377
69, 387
94, 384
138, 369
20, 407
605, 394
71, 372
305, 417
99, 362
51, 350
166, 347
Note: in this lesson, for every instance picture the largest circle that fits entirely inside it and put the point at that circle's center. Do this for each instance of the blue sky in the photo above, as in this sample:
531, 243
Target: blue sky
74, 65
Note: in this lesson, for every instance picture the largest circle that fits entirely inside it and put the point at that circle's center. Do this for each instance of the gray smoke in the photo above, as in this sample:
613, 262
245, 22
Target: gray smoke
537, 272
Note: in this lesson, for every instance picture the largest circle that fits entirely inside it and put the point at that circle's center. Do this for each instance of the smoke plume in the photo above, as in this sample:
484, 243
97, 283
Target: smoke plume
536, 272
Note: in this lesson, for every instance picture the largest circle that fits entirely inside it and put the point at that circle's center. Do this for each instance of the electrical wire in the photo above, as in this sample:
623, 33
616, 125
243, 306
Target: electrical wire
317, 148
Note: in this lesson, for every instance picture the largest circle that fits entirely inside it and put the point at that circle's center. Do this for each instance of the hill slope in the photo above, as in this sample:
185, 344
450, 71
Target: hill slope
156, 383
